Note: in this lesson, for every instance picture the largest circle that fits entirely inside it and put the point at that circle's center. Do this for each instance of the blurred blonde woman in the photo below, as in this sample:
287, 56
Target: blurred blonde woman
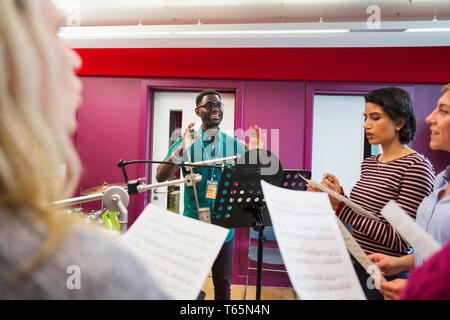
39, 248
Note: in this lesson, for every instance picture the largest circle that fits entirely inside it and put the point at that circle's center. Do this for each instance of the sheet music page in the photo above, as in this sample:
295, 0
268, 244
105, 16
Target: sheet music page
358, 253
311, 244
424, 244
178, 251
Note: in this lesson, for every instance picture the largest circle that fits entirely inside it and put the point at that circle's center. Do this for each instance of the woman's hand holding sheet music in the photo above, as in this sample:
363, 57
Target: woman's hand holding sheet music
331, 182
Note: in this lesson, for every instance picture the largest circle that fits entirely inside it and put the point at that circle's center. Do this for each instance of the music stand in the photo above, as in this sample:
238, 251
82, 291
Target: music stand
240, 201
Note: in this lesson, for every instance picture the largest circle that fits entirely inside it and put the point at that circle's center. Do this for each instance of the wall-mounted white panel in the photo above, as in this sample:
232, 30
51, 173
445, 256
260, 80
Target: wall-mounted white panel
338, 138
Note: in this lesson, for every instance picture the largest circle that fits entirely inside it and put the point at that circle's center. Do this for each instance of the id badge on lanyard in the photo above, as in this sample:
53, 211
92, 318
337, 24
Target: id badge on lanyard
211, 189
211, 184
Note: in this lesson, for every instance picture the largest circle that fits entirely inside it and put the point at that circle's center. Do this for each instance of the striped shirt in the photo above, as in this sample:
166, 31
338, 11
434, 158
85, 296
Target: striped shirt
406, 180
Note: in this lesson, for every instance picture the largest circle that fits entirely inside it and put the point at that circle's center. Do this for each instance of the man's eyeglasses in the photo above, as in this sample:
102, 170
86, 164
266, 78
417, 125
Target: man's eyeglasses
212, 105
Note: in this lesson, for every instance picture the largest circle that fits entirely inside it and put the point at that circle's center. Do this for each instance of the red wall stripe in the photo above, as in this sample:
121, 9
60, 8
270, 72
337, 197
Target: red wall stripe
402, 64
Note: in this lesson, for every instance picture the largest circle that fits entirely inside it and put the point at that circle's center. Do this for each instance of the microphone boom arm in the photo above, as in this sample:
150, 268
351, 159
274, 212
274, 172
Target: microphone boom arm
118, 199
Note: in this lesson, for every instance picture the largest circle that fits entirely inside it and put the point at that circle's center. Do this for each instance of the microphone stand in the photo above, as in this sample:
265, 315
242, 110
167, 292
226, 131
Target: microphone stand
116, 198
203, 213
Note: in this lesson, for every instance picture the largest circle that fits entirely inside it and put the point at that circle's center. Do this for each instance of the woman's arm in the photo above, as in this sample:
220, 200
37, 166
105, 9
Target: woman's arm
416, 183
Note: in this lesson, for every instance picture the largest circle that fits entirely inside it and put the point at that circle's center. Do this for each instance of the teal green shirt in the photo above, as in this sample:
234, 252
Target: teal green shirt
201, 150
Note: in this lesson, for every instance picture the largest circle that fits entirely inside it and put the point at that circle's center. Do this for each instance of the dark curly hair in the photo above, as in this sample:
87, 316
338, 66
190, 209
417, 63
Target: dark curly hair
397, 104
205, 93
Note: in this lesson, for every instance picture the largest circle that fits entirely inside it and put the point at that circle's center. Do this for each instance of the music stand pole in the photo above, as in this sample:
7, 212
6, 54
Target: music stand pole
232, 210
259, 263
259, 226
239, 204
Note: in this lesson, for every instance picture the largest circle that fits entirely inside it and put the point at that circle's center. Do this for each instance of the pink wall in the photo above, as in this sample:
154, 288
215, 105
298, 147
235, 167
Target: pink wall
279, 105
108, 123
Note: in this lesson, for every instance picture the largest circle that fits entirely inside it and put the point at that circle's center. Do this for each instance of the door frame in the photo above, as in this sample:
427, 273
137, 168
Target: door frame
148, 87
313, 88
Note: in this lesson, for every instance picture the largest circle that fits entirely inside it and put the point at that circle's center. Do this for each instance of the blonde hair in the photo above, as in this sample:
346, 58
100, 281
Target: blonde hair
33, 142
445, 88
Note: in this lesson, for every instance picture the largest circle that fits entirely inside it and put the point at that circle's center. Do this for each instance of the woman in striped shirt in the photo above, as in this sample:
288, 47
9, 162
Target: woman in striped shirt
399, 173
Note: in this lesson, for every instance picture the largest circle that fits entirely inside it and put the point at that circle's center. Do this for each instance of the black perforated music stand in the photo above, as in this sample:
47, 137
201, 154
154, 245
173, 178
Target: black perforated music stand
240, 201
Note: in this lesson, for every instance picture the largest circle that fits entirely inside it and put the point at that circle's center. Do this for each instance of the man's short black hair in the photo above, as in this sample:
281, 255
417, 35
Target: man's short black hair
397, 104
205, 93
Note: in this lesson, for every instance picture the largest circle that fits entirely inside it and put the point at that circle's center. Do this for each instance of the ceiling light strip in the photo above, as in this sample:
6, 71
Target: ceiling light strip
243, 32
428, 30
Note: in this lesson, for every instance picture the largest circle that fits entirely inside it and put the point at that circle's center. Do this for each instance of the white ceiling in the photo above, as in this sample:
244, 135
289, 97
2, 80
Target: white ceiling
180, 12
252, 23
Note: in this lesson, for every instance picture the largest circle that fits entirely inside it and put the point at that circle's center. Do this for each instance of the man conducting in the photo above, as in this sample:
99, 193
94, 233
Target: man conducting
208, 143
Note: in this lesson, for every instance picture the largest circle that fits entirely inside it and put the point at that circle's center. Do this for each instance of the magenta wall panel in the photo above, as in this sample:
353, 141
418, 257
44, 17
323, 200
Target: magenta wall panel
278, 106
108, 123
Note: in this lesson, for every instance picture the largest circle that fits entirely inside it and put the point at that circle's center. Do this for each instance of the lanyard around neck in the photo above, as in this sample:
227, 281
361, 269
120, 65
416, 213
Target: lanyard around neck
216, 153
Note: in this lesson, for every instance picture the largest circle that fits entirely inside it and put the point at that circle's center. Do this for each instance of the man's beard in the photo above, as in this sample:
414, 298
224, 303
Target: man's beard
209, 123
